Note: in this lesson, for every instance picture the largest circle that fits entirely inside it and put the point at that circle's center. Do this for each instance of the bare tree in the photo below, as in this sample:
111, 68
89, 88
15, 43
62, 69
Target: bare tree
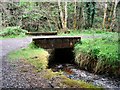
63, 16
114, 12
74, 21
114, 15
65, 23
105, 13
61, 13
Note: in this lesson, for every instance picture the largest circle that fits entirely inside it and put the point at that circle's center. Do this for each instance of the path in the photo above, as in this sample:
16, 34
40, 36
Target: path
8, 45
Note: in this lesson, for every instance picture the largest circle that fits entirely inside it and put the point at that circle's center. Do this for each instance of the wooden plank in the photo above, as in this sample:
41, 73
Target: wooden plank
55, 37
41, 33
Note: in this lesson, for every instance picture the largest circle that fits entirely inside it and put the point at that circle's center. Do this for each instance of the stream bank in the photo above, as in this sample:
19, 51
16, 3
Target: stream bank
73, 72
62, 60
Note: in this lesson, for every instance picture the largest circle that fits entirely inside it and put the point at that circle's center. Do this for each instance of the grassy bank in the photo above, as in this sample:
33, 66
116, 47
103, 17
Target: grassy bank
99, 55
38, 58
86, 32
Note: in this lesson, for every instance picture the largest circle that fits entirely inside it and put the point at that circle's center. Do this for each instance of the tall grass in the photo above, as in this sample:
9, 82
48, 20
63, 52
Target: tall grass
99, 55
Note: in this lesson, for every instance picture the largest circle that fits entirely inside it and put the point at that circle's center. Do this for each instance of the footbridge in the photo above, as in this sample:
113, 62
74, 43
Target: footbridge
53, 42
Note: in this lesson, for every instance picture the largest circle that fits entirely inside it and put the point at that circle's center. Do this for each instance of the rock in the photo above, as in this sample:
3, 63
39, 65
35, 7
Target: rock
59, 66
83, 75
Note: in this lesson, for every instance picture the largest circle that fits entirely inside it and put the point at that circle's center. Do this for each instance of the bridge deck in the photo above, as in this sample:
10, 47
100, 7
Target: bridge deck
41, 33
56, 41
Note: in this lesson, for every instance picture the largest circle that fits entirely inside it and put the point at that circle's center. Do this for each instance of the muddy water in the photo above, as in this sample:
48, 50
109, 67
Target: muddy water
73, 72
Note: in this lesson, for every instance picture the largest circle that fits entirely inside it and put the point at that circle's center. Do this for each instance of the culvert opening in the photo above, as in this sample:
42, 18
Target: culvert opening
61, 56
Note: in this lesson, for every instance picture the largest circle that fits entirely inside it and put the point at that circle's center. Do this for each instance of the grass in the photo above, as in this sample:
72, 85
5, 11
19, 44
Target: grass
12, 32
101, 51
38, 57
106, 45
88, 32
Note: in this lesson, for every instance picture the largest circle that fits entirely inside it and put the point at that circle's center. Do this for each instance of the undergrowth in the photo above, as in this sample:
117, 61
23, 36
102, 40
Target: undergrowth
12, 32
100, 55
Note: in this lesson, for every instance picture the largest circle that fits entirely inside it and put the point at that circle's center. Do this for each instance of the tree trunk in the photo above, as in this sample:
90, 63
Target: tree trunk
74, 21
61, 14
0, 21
114, 11
114, 16
105, 13
118, 17
80, 17
93, 13
65, 23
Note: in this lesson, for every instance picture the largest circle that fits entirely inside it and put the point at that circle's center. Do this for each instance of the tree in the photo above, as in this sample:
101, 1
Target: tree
63, 16
112, 26
89, 14
65, 23
114, 12
61, 13
105, 11
75, 19
118, 17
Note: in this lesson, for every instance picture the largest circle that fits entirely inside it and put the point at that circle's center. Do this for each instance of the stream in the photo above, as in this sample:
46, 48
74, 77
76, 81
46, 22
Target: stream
73, 72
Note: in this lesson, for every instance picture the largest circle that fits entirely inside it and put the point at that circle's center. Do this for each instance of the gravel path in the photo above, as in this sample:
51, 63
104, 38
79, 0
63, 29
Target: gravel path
9, 73
12, 75
8, 45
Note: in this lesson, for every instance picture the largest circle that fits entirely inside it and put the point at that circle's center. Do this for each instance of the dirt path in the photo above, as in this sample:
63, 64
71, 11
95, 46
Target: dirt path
9, 45
9, 73
12, 74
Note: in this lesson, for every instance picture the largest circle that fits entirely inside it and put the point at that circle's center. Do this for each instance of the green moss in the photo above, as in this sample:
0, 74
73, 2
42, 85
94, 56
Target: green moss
79, 84
38, 57
64, 81
49, 74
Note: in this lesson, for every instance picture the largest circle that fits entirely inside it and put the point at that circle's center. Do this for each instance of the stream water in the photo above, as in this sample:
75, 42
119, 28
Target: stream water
73, 72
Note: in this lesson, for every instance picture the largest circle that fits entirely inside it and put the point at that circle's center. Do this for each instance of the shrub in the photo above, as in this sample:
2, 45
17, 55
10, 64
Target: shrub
99, 54
12, 31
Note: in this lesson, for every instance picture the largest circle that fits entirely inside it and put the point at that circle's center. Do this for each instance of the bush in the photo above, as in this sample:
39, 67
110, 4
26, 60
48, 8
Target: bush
99, 54
12, 31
